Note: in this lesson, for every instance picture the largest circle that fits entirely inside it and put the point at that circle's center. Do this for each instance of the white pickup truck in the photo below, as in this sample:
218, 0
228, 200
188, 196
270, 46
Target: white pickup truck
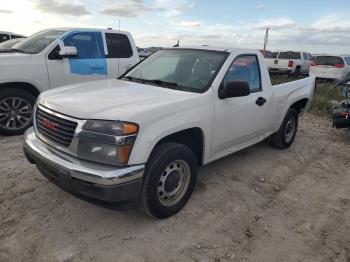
57, 57
290, 62
141, 137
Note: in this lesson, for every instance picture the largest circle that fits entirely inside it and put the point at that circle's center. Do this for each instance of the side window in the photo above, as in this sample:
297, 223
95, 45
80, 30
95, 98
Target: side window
310, 57
118, 46
245, 68
4, 37
305, 56
88, 44
54, 54
347, 60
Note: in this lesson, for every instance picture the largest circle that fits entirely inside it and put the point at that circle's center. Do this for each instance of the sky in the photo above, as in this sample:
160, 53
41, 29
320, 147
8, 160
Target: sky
321, 26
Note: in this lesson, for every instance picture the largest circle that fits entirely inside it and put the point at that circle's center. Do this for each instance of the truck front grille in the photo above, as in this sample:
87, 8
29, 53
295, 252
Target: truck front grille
55, 128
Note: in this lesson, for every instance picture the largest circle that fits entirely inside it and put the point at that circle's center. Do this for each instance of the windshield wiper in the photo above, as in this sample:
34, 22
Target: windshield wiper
161, 82
135, 79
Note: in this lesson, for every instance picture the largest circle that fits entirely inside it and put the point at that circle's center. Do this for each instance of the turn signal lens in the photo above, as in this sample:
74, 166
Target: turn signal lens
123, 153
130, 128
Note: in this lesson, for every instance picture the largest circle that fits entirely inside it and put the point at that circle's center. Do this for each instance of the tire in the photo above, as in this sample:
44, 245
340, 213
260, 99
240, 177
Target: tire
159, 175
16, 111
297, 72
280, 139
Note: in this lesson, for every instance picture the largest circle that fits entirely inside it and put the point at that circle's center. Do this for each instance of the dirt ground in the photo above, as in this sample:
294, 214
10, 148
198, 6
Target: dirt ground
260, 204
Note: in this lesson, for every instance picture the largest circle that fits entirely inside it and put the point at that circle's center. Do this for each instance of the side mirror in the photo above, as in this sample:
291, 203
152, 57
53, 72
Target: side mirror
234, 89
68, 51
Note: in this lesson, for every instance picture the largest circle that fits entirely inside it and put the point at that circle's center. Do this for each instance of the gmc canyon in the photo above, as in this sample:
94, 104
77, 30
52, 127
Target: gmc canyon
142, 136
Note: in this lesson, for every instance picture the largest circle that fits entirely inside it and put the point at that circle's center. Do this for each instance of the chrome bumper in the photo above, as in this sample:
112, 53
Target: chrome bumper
82, 170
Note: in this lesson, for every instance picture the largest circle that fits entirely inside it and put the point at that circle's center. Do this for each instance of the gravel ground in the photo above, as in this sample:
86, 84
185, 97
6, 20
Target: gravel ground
260, 204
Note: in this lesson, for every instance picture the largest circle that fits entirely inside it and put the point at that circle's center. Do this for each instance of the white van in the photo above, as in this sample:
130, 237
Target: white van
54, 58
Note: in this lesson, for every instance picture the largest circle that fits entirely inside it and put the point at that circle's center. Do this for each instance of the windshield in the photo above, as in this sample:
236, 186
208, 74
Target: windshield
38, 42
183, 69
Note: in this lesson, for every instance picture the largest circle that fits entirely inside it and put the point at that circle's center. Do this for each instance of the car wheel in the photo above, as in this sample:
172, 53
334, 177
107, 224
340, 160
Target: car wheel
16, 111
284, 137
169, 180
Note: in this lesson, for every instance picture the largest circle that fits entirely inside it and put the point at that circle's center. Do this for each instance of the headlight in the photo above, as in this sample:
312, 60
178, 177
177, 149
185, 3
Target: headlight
108, 142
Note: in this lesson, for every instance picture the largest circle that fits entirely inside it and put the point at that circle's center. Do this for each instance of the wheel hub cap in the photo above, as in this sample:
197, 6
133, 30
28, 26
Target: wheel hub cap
290, 130
15, 113
174, 182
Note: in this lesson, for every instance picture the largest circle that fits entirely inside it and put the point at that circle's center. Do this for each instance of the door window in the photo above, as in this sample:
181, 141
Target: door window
305, 56
91, 56
245, 68
118, 46
88, 44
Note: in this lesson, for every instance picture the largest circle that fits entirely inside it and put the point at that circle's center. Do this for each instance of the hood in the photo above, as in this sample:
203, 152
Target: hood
115, 100
8, 58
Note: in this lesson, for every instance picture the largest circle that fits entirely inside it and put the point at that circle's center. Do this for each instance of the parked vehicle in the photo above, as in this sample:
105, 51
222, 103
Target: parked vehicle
6, 46
331, 67
142, 137
58, 57
290, 62
4, 36
143, 52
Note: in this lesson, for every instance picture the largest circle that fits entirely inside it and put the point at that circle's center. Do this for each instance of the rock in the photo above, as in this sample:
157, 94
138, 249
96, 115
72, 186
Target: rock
198, 246
127, 237
261, 179
232, 257
249, 232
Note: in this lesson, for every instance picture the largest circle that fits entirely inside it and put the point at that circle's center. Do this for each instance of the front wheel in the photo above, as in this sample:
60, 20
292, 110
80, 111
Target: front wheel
169, 180
16, 111
284, 137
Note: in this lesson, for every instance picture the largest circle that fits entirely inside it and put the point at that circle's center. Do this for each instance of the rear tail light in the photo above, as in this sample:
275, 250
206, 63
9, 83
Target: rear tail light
314, 63
290, 63
339, 65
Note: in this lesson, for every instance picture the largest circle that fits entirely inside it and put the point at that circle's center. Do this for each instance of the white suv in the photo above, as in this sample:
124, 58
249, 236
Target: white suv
54, 58
331, 67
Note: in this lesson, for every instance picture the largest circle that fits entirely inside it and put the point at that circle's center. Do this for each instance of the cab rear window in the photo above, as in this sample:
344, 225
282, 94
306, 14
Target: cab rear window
328, 60
289, 55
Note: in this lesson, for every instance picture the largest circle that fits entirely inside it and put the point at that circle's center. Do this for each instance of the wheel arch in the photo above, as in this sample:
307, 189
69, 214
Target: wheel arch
25, 86
190, 137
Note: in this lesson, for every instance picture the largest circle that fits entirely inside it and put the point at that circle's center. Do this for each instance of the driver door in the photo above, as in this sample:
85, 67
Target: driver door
240, 121
89, 65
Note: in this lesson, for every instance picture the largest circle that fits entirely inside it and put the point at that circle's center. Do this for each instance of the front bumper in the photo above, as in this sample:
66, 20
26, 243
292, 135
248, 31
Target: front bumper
98, 181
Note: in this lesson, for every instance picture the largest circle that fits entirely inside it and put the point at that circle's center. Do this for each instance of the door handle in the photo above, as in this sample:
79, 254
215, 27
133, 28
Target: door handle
260, 101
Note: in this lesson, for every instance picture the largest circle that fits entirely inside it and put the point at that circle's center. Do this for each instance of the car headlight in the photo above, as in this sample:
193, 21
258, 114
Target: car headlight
108, 142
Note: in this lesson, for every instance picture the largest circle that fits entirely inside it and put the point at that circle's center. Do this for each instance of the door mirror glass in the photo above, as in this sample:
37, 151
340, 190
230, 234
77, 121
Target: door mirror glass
234, 89
68, 51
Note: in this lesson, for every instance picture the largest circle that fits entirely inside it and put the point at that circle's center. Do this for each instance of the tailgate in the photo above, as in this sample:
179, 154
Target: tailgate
280, 64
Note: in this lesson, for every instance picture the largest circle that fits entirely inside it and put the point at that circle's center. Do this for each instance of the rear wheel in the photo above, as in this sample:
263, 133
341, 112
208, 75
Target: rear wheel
284, 137
169, 180
16, 111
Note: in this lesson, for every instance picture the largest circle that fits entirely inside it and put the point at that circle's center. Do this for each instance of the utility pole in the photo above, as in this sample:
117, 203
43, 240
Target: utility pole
266, 39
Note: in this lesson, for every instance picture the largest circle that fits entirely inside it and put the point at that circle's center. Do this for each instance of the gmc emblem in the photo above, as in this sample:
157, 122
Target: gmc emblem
49, 124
